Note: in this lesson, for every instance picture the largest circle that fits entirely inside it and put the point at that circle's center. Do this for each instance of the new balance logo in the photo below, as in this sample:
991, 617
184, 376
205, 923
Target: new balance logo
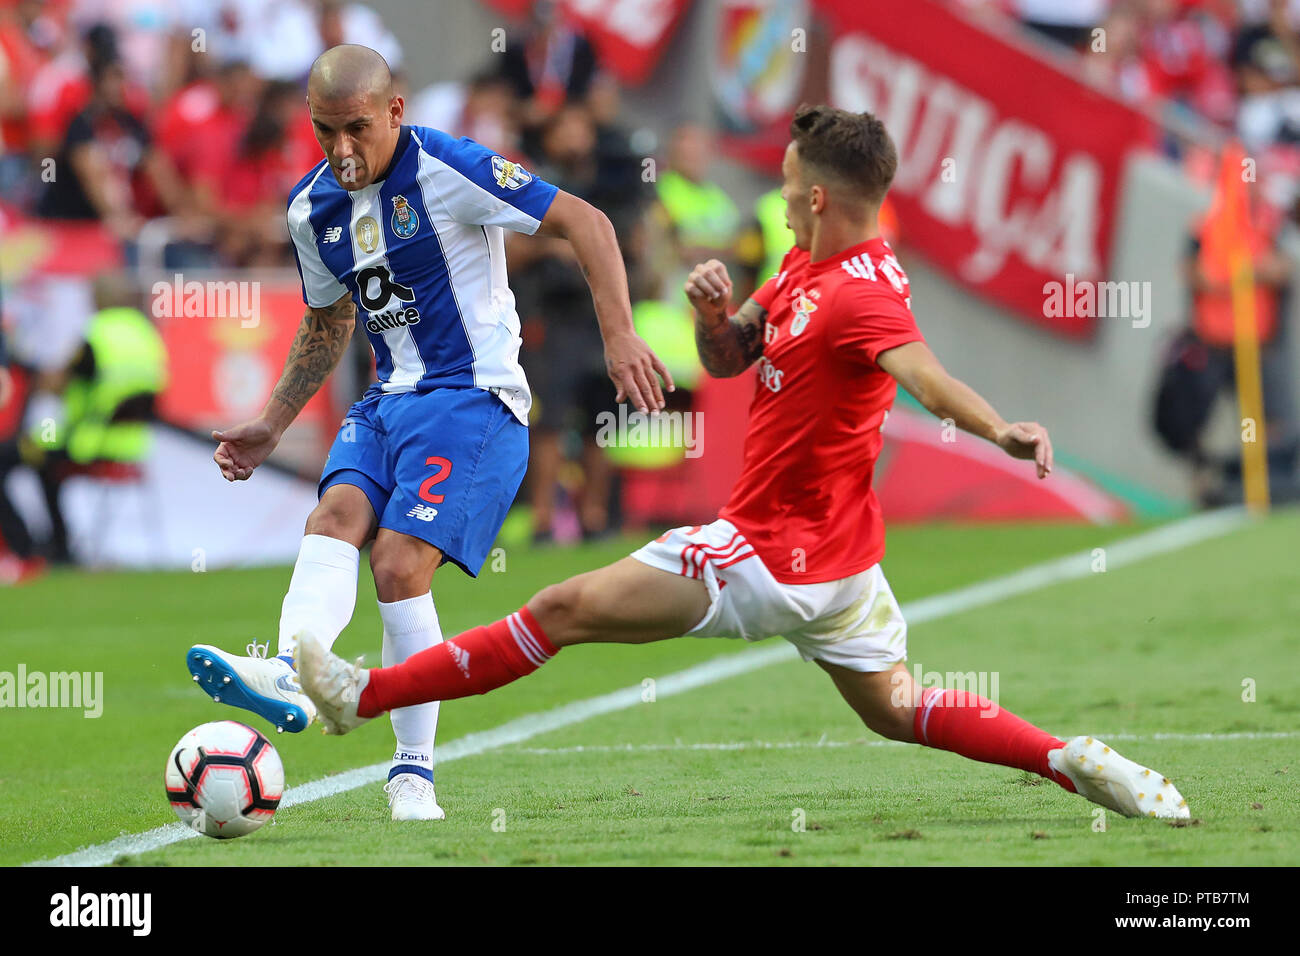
333, 234
460, 656
288, 683
423, 512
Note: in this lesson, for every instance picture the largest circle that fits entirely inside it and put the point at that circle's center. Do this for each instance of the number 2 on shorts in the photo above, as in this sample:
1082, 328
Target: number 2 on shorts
443, 473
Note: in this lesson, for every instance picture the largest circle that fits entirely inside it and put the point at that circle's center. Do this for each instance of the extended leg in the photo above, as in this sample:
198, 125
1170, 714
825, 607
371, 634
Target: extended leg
320, 600
893, 705
626, 602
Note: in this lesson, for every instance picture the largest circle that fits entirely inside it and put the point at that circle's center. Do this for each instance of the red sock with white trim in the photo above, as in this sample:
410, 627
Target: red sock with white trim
975, 727
480, 660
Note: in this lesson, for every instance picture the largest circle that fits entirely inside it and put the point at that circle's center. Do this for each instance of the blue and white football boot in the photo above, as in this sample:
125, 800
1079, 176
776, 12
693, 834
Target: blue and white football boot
267, 686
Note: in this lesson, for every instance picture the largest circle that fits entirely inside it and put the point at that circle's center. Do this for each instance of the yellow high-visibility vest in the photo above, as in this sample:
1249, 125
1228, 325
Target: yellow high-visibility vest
130, 359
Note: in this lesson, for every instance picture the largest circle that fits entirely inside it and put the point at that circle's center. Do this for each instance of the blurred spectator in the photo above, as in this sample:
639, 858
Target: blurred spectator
153, 37
6, 376
21, 56
107, 168
107, 398
563, 354
1066, 21
76, 78
552, 65
63, 86
695, 219
276, 150
772, 232
1183, 51
1266, 58
1201, 365
1118, 66
622, 152
279, 39
197, 126
342, 22
481, 109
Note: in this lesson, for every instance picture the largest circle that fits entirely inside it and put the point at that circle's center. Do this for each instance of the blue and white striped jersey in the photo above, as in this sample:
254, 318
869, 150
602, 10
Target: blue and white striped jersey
422, 253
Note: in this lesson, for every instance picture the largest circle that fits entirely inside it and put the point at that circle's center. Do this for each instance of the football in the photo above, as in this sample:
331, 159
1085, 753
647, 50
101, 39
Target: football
224, 779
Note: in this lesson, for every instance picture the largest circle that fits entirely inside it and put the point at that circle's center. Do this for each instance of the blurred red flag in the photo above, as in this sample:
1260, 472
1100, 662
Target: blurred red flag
1226, 230
1229, 241
1233, 235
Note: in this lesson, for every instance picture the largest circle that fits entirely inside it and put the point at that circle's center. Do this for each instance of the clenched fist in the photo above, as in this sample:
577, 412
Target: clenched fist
709, 288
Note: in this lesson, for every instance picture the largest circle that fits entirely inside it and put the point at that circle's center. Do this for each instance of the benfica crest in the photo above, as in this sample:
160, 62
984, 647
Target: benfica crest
804, 307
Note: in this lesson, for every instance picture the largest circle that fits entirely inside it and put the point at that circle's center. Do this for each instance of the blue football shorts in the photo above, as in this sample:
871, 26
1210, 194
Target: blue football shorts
442, 466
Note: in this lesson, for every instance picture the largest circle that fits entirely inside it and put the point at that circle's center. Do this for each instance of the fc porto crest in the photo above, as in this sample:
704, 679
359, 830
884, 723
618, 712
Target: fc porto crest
405, 221
509, 175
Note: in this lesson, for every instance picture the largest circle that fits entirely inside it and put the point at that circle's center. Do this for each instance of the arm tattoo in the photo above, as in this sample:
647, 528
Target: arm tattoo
730, 347
321, 341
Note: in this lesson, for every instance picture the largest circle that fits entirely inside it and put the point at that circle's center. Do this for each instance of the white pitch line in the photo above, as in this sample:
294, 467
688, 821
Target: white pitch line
1167, 538
730, 745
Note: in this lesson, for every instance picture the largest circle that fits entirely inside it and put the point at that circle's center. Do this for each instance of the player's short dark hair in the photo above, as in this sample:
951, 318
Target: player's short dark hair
852, 148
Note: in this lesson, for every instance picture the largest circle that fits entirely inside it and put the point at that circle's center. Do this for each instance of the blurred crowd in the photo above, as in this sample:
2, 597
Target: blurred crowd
184, 120
1234, 64
1231, 67
124, 111
180, 127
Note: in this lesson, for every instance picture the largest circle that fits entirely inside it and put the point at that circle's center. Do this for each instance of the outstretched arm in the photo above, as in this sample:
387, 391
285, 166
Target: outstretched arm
321, 341
915, 367
727, 344
632, 366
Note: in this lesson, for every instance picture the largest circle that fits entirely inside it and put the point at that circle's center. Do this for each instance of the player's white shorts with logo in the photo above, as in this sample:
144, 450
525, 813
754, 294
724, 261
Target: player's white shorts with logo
853, 622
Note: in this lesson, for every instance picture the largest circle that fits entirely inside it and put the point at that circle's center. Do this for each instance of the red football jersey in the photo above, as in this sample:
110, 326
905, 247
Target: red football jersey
804, 498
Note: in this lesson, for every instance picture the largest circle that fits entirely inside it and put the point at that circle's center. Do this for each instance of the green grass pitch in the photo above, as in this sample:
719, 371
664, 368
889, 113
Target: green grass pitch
722, 773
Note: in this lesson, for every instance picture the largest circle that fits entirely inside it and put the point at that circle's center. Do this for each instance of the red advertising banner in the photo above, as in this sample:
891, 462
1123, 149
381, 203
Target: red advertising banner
629, 35
1009, 169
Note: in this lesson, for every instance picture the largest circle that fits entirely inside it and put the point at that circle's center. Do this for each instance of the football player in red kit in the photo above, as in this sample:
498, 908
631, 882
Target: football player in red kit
796, 551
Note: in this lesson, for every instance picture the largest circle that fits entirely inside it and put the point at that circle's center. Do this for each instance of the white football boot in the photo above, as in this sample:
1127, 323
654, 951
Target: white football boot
1117, 783
332, 684
267, 686
411, 797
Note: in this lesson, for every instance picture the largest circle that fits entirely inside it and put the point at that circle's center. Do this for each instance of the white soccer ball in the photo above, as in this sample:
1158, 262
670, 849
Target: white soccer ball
224, 779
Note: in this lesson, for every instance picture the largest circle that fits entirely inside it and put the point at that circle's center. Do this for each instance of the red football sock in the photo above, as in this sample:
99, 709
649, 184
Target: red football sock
480, 660
975, 727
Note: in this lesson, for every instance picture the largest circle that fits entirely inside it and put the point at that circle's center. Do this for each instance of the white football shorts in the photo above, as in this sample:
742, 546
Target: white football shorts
853, 622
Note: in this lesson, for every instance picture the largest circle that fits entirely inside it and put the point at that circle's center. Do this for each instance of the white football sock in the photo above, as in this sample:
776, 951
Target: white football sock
411, 626
322, 593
